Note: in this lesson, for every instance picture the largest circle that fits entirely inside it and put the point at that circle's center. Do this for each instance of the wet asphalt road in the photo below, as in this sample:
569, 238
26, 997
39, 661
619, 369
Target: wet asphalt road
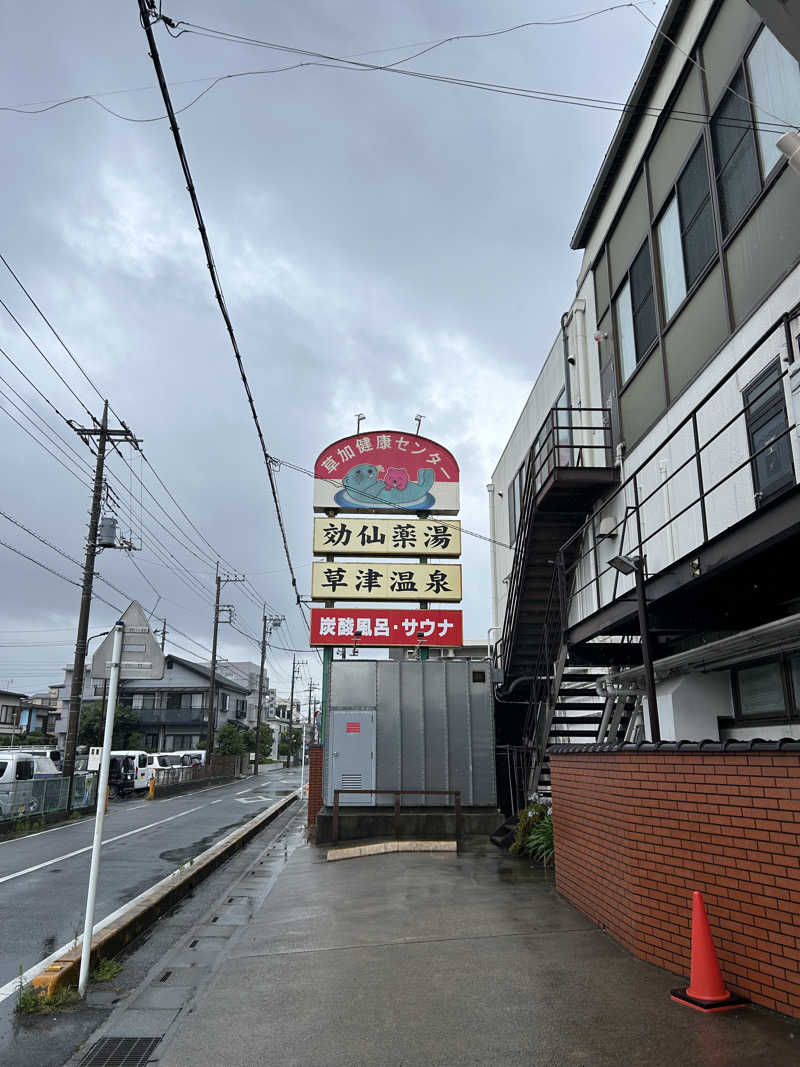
43, 877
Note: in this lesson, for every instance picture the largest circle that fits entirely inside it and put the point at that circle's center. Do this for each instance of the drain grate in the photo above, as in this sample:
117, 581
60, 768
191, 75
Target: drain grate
120, 1052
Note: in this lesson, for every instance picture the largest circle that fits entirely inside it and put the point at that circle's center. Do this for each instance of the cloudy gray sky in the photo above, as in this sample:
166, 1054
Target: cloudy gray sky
387, 245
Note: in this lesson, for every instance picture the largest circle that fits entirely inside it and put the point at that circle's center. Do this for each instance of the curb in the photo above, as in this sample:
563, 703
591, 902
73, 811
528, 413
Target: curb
143, 910
380, 848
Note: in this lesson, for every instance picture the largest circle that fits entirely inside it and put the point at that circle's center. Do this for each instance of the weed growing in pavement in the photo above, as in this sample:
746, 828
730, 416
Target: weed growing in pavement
32, 1002
105, 971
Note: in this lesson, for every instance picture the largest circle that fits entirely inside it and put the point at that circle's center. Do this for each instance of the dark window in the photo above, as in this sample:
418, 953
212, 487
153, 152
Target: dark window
173, 701
24, 771
148, 701
151, 740
479, 676
761, 691
735, 155
642, 302
767, 429
515, 493
697, 220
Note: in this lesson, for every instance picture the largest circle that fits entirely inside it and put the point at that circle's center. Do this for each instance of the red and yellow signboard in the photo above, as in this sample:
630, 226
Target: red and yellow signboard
386, 471
382, 627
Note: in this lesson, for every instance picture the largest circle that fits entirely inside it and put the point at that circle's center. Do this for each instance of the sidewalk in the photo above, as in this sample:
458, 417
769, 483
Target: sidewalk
432, 959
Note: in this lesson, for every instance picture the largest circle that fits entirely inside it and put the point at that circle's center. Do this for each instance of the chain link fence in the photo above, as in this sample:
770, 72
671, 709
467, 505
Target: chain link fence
40, 796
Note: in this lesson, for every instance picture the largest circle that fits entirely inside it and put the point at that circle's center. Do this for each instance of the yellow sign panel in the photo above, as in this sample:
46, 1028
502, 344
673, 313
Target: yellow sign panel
386, 581
354, 536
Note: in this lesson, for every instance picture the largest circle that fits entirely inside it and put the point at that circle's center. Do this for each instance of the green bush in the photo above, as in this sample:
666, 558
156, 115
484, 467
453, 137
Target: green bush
230, 740
528, 818
539, 844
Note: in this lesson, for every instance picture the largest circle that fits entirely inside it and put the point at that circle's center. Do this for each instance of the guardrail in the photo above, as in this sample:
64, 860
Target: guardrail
397, 793
41, 796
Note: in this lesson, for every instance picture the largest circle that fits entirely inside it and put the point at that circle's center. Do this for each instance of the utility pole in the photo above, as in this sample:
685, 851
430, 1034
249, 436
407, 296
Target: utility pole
103, 435
163, 635
266, 631
220, 581
291, 713
311, 687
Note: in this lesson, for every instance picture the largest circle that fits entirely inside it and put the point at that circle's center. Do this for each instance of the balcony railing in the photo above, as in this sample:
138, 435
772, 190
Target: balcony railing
170, 716
571, 437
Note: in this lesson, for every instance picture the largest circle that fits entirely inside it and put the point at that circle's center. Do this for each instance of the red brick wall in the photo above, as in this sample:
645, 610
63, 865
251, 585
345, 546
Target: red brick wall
636, 832
314, 782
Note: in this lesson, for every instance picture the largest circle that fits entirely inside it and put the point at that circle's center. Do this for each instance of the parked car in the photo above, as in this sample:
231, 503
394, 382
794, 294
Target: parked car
121, 774
53, 754
141, 765
17, 768
162, 761
189, 756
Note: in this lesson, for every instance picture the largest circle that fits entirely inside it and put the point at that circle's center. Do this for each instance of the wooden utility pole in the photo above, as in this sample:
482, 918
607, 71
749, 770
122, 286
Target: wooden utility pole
102, 435
220, 581
260, 691
213, 676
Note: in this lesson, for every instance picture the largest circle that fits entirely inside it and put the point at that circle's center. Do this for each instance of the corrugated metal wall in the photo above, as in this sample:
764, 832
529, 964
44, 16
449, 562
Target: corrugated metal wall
434, 725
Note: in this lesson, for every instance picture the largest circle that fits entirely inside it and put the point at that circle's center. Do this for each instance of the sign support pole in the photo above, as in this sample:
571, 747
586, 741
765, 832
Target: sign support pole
327, 660
102, 786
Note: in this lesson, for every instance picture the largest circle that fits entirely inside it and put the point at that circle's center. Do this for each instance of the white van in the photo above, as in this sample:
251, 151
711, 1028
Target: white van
143, 767
163, 761
190, 755
17, 766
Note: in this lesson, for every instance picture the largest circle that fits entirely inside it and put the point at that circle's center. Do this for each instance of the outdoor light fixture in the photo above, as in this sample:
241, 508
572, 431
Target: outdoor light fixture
789, 144
624, 564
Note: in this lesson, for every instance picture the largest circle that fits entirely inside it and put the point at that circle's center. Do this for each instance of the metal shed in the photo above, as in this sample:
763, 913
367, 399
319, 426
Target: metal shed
417, 724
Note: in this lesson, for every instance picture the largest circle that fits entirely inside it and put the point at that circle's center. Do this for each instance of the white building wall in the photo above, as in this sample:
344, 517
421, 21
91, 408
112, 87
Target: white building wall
733, 499
541, 399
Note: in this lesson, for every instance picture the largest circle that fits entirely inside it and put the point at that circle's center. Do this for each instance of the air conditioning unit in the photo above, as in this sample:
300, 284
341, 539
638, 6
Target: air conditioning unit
448, 653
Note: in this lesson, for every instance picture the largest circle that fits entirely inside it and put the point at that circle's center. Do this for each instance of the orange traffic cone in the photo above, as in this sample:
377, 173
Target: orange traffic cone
706, 991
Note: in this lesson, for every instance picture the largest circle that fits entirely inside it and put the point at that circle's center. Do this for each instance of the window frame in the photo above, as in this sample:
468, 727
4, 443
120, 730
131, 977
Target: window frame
658, 217
790, 714
755, 414
625, 281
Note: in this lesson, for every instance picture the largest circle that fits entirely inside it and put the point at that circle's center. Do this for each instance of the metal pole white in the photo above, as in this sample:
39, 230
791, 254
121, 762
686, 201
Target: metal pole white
102, 786
303, 762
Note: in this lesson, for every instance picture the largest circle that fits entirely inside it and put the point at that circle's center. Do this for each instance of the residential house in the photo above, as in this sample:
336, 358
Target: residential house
173, 710
10, 711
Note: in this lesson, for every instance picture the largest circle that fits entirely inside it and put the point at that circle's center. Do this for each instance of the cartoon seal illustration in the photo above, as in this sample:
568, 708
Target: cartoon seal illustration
364, 488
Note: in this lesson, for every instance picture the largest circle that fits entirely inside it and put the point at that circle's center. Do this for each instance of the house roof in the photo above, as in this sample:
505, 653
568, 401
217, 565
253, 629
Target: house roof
8, 693
205, 672
635, 106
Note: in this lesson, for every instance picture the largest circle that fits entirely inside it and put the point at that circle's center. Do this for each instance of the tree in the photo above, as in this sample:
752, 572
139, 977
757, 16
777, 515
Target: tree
230, 740
266, 738
290, 742
126, 724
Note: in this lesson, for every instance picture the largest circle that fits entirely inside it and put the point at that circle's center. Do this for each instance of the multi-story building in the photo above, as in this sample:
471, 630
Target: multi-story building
663, 424
10, 711
173, 710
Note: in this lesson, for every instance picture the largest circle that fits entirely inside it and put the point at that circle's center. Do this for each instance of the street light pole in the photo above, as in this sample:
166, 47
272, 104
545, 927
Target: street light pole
647, 656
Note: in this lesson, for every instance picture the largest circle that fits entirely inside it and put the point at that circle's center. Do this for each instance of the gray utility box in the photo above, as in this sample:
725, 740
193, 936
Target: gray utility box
416, 724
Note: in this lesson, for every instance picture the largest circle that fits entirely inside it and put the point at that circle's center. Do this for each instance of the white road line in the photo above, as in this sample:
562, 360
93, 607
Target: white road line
13, 986
88, 848
122, 808
218, 801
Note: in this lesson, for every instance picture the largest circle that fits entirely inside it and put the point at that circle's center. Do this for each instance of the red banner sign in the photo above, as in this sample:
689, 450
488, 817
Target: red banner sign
380, 628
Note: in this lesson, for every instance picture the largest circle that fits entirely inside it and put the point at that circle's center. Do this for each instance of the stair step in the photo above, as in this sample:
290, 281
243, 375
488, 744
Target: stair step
579, 719
572, 705
572, 733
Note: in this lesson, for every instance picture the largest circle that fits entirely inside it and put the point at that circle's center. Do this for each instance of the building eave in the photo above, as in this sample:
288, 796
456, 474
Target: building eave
626, 128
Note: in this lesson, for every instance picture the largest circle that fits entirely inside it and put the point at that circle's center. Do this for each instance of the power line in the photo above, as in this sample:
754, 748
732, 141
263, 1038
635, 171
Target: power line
146, 23
36, 439
321, 59
202, 556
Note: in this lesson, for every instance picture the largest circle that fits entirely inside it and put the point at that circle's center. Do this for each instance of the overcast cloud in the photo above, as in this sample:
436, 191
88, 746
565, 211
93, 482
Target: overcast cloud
387, 245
